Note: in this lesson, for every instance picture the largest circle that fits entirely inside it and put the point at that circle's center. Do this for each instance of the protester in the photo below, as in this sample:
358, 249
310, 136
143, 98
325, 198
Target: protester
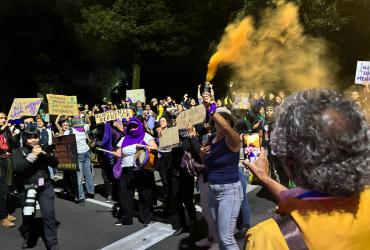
221, 157
164, 167
323, 142
131, 179
6, 170
31, 165
183, 182
79, 129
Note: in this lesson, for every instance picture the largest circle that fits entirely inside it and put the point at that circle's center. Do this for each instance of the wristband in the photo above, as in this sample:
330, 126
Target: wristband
212, 108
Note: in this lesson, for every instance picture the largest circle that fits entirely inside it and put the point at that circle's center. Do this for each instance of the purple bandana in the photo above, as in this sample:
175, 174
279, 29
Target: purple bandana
133, 136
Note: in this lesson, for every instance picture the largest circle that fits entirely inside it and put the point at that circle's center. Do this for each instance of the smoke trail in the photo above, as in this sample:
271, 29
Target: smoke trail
275, 54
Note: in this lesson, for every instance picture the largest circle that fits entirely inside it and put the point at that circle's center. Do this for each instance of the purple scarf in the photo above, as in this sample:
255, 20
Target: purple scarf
131, 137
134, 136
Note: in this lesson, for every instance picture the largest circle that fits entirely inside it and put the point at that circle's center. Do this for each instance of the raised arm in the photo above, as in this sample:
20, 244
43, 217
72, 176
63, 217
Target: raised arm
260, 169
232, 137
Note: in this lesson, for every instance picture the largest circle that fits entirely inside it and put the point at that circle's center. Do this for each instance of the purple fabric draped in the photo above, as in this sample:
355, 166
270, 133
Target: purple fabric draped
133, 136
79, 129
107, 140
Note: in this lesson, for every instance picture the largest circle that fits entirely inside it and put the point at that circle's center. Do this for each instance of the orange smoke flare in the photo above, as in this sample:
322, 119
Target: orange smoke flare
232, 42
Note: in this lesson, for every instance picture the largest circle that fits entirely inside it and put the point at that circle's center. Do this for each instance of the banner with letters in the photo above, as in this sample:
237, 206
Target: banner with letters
62, 105
24, 107
112, 115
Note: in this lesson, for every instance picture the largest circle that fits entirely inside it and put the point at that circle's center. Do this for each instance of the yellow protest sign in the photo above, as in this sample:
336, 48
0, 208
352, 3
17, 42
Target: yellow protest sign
62, 105
193, 116
24, 107
112, 115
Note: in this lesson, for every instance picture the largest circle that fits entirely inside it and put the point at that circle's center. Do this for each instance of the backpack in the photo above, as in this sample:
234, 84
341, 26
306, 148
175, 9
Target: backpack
190, 166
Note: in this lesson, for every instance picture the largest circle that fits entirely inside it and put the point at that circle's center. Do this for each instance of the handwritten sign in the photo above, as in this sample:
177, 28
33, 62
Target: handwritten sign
362, 72
62, 105
66, 152
194, 116
112, 115
241, 101
24, 107
170, 136
136, 94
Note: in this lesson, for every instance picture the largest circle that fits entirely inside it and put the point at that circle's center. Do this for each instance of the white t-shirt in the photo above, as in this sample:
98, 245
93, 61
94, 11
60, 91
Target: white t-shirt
82, 146
128, 152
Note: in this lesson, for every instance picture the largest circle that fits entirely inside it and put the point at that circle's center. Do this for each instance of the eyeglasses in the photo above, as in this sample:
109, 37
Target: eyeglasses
3, 117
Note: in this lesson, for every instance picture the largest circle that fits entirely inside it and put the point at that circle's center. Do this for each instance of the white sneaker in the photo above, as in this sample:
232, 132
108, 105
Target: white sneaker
37, 206
204, 243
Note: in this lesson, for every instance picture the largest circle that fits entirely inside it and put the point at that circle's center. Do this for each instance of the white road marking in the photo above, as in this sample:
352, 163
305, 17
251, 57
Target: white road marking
144, 238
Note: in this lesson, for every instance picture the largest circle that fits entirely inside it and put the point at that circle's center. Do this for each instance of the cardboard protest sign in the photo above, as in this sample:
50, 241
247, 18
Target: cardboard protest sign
66, 152
362, 72
62, 105
136, 94
194, 116
112, 115
24, 107
170, 136
241, 101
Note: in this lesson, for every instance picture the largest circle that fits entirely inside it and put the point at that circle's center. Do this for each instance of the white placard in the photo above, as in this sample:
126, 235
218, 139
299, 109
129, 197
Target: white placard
136, 95
362, 72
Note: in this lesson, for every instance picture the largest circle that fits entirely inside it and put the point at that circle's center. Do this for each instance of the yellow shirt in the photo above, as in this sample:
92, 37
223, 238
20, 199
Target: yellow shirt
328, 224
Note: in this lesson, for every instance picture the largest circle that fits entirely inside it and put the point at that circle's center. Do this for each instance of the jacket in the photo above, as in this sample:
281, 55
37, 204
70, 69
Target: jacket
29, 168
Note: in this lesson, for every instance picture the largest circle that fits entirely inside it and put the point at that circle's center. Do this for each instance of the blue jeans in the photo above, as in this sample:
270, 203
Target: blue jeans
224, 206
85, 172
245, 210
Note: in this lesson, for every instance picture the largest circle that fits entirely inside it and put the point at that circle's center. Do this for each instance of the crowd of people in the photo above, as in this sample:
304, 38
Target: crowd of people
215, 156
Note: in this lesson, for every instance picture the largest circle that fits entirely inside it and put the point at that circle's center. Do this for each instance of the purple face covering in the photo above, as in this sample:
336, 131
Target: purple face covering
133, 136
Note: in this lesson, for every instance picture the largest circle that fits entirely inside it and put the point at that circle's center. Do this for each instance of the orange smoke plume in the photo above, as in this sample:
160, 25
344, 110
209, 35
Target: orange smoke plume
276, 53
231, 43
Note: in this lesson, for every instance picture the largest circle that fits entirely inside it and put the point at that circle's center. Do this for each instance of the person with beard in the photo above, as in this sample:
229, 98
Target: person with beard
31, 166
6, 170
182, 182
130, 178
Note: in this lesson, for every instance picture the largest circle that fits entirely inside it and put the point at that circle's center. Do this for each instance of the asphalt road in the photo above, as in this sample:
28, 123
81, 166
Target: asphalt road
91, 226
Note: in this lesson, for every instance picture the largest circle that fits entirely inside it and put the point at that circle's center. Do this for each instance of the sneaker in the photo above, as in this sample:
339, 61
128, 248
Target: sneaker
148, 223
108, 199
11, 218
90, 196
118, 223
180, 231
6, 223
81, 202
204, 243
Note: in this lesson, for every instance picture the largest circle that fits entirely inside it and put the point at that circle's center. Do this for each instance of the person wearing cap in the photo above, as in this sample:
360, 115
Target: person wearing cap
80, 130
31, 166
221, 157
